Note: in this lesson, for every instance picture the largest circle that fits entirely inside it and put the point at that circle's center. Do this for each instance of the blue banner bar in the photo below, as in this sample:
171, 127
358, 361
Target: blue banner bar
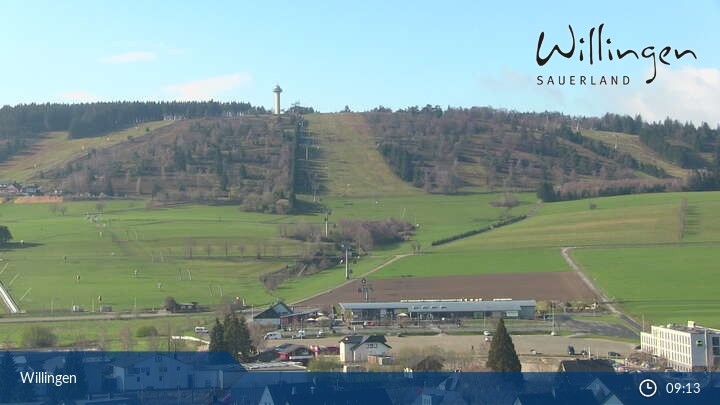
114, 378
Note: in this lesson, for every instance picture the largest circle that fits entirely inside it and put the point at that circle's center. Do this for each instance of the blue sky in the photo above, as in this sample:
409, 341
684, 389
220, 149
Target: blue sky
361, 54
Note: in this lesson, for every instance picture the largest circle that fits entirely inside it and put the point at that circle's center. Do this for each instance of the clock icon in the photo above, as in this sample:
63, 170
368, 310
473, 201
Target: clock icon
648, 388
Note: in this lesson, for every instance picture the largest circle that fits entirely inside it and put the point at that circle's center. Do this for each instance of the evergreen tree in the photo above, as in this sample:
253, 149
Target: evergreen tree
232, 335
245, 343
9, 378
109, 187
546, 192
217, 337
502, 356
66, 393
5, 235
74, 366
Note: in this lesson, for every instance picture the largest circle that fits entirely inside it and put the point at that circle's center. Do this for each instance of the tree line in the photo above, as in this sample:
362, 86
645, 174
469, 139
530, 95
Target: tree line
25, 121
681, 143
605, 150
496, 224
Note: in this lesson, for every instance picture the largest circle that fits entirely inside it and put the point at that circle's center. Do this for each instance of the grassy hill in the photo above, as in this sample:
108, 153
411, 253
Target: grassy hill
349, 160
221, 248
56, 149
641, 250
634, 246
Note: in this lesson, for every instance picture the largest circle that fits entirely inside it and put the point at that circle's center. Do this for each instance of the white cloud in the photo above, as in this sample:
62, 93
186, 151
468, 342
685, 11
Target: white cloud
77, 97
211, 87
129, 57
685, 93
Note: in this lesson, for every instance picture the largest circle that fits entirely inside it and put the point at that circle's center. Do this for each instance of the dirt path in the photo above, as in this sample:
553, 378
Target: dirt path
591, 285
352, 280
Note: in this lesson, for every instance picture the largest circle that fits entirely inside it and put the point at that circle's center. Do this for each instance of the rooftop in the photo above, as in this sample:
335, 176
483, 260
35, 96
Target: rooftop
357, 340
441, 305
691, 327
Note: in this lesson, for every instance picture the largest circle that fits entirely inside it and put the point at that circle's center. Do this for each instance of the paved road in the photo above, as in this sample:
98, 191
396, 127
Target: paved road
89, 317
576, 267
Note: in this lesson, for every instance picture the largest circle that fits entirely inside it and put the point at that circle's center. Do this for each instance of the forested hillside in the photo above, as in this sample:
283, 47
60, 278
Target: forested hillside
238, 153
21, 125
444, 150
245, 160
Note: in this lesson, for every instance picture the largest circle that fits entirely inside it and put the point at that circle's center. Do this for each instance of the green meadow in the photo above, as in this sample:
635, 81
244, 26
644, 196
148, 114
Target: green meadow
133, 257
114, 334
129, 256
439, 263
635, 247
654, 259
662, 284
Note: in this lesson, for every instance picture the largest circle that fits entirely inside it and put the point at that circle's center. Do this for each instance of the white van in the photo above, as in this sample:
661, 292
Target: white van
201, 329
273, 336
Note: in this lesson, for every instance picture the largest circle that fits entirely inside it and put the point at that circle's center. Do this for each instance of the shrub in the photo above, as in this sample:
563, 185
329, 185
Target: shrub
38, 336
146, 331
323, 364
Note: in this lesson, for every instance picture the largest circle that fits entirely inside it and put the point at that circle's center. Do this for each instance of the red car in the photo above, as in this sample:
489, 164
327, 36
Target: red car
325, 350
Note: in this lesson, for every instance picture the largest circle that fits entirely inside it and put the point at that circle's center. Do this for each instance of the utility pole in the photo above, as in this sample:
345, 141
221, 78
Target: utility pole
365, 289
327, 220
347, 265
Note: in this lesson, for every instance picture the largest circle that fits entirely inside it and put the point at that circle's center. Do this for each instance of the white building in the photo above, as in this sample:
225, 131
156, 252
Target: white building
686, 348
356, 348
151, 371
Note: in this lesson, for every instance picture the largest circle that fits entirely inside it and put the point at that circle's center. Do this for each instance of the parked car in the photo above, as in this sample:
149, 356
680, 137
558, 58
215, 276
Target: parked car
487, 333
614, 354
325, 350
272, 336
201, 329
321, 333
299, 334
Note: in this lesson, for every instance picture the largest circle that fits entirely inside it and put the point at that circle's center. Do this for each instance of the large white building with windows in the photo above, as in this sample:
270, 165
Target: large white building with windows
686, 348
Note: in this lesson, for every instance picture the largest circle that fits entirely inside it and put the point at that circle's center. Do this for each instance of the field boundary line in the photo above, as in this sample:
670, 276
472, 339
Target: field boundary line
594, 288
352, 280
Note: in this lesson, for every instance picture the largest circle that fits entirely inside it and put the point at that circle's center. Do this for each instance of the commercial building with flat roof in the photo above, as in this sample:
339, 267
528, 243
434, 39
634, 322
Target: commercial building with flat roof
438, 309
686, 348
